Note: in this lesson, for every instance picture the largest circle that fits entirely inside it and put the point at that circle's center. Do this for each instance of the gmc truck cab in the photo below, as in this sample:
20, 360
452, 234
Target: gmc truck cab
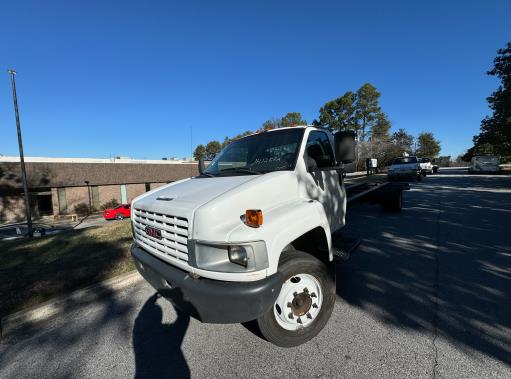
250, 238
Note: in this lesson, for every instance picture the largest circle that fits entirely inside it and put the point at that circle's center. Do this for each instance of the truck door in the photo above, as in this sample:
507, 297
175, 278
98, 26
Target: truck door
324, 183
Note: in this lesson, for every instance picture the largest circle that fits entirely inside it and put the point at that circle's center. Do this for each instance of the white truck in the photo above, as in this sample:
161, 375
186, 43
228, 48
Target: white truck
405, 168
251, 237
484, 164
426, 166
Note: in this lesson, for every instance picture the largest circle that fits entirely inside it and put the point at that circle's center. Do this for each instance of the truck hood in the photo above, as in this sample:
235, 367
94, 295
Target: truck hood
182, 198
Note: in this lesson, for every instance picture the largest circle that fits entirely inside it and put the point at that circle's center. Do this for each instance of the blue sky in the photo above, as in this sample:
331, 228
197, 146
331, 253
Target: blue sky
102, 78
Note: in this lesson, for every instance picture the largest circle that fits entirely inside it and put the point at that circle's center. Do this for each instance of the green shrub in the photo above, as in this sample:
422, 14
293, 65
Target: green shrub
82, 209
110, 204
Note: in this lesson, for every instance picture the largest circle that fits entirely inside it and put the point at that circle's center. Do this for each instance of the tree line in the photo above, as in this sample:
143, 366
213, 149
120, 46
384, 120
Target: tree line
359, 111
494, 137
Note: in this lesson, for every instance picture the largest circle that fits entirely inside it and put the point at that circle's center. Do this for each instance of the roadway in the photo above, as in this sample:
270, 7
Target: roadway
428, 294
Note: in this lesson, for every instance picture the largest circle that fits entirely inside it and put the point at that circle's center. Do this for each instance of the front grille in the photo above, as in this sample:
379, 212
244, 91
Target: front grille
174, 233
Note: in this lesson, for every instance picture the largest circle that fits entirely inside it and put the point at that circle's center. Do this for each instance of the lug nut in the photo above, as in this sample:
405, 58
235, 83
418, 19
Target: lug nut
314, 305
295, 294
306, 290
299, 320
289, 305
290, 315
309, 315
313, 294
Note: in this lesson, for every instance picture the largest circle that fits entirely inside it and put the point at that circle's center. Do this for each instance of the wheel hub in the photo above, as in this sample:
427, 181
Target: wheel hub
301, 304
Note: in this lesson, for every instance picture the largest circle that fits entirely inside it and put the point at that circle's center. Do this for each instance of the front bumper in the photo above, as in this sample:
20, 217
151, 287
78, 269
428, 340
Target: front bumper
208, 300
403, 174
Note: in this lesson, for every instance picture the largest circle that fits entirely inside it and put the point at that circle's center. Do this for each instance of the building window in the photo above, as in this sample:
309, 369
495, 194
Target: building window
62, 200
148, 187
95, 197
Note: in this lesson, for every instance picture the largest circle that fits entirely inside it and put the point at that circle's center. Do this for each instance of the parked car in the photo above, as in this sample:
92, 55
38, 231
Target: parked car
117, 213
484, 164
20, 230
426, 166
405, 168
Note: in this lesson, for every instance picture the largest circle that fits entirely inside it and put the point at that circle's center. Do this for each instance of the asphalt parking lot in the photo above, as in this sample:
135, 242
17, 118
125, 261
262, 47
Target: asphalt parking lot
428, 294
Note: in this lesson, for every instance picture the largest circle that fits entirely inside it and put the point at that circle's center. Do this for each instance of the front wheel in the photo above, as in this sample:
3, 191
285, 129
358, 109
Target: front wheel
305, 301
119, 216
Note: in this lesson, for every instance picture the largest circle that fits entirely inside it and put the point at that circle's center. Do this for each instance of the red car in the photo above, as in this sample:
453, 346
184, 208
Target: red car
123, 210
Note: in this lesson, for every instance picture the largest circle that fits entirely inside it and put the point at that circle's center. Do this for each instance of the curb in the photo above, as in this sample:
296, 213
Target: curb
26, 319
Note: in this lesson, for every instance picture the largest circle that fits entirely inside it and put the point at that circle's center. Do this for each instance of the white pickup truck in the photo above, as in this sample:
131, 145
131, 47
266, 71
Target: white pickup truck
250, 238
485, 164
405, 168
426, 166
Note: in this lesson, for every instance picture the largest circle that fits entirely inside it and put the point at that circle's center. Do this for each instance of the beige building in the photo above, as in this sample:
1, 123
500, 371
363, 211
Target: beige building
58, 185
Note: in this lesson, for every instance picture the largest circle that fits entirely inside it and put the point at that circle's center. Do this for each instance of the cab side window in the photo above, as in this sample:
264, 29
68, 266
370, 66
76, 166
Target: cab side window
319, 148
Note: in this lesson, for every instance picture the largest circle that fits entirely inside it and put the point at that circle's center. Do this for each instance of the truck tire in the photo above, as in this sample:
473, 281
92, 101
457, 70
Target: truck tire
393, 202
305, 301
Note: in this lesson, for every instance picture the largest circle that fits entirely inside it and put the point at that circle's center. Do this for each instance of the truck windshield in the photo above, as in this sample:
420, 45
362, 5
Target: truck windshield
258, 154
404, 160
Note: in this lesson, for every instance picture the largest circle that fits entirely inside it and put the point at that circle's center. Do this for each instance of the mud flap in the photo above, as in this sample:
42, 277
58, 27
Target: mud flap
343, 246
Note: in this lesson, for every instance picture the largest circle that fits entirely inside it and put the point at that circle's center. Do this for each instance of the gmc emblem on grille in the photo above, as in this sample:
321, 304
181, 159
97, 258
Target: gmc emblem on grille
153, 232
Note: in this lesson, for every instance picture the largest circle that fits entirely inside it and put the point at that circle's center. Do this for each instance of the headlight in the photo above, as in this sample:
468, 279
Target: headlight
228, 257
238, 255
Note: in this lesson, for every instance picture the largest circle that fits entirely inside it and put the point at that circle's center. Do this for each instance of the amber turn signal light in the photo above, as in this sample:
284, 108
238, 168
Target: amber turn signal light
254, 218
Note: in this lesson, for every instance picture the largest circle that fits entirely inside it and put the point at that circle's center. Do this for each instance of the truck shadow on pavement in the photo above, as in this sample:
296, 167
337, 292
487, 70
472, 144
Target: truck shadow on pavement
442, 267
64, 344
157, 345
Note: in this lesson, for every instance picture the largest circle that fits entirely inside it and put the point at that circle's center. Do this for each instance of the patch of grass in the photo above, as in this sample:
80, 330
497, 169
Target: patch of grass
33, 271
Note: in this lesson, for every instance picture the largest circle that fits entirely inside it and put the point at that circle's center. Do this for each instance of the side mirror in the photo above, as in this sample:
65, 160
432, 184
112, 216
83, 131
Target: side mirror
202, 166
344, 142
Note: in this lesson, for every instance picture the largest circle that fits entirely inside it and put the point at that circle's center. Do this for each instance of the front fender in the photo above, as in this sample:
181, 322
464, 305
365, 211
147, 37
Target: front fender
285, 223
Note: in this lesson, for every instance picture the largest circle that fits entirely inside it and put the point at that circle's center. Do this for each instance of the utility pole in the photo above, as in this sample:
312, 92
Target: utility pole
22, 159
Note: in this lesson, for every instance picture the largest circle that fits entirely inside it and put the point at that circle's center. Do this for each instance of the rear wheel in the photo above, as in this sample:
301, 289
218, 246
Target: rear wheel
393, 202
305, 301
119, 216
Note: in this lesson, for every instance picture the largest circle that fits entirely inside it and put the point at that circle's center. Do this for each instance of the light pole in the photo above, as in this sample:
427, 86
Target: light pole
12, 73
